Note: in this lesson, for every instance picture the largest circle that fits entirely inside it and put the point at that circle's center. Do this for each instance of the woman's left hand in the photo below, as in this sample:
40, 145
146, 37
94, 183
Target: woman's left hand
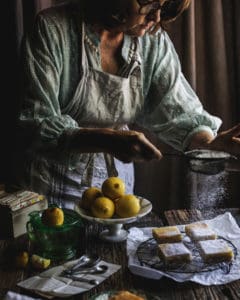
228, 141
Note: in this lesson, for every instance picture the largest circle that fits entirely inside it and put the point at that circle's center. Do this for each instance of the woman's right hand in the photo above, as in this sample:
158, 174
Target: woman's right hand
125, 145
129, 146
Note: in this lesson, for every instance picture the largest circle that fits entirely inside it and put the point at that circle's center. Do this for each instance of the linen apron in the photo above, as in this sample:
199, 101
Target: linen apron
100, 100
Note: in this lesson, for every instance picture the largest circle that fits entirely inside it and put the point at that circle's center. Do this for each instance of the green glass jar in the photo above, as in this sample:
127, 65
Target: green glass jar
58, 243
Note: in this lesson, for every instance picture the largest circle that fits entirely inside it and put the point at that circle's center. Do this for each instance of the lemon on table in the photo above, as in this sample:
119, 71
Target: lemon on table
127, 206
39, 262
53, 216
103, 208
22, 259
113, 187
89, 195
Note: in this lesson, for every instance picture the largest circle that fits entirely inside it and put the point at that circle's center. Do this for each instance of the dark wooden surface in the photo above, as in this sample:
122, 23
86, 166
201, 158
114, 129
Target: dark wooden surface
116, 253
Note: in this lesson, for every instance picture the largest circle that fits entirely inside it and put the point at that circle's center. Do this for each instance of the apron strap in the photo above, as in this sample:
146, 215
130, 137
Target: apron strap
84, 61
110, 164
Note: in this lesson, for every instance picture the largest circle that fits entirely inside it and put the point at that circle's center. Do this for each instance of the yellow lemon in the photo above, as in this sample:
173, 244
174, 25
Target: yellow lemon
39, 262
113, 188
22, 259
103, 208
127, 206
89, 195
53, 216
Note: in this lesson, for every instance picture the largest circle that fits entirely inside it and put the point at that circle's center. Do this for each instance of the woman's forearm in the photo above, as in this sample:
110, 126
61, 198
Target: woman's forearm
126, 145
200, 140
90, 140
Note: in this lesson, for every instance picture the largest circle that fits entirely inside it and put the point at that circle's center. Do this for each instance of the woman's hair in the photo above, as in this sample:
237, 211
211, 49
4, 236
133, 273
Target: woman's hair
112, 13
172, 9
103, 12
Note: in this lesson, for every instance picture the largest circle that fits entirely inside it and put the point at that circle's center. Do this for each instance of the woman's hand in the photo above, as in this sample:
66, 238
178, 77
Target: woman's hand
125, 145
130, 146
228, 141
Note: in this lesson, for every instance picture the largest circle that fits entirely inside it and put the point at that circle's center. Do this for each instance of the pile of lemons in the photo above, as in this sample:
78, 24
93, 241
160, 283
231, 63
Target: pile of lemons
110, 200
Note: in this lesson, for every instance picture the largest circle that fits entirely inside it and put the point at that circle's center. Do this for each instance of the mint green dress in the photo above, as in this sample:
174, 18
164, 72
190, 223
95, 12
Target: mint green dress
66, 89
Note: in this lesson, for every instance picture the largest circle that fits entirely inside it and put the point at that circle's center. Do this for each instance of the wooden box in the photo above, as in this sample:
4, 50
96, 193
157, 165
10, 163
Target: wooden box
14, 210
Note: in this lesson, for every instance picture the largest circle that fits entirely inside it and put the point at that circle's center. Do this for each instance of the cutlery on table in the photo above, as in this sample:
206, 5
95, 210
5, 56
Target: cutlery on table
85, 262
99, 269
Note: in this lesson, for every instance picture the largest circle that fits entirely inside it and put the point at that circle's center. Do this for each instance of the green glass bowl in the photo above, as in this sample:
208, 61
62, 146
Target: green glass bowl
57, 243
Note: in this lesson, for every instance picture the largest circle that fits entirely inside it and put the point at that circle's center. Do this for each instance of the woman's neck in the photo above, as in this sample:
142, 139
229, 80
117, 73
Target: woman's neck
112, 38
110, 48
108, 34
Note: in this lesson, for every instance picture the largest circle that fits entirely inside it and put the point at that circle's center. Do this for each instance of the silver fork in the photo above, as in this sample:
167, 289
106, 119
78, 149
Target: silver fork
81, 279
84, 262
98, 269
94, 271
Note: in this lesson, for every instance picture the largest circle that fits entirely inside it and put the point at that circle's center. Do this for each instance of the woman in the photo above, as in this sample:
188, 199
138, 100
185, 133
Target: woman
90, 69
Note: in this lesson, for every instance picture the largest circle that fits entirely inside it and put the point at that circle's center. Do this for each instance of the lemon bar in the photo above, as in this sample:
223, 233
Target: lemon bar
125, 295
215, 251
167, 234
174, 253
200, 232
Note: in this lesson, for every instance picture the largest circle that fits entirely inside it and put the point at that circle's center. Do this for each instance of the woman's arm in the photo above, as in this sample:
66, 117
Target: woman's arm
41, 121
200, 140
125, 145
227, 141
172, 109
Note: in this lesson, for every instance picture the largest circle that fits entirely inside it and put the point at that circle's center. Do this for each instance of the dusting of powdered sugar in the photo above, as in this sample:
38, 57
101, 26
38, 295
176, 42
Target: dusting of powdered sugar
207, 192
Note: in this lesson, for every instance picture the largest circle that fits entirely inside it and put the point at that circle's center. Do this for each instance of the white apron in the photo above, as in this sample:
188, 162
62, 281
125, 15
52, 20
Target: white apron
101, 100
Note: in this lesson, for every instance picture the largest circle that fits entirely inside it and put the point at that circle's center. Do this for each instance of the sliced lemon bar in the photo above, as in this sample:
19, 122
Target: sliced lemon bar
174, 253
200, 231
167, 234
215, 251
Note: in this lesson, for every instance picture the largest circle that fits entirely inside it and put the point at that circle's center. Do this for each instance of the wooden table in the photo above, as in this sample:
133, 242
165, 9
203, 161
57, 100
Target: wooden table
116, 253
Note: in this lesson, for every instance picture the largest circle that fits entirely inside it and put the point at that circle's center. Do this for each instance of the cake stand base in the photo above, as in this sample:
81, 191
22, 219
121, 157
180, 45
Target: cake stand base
114, 233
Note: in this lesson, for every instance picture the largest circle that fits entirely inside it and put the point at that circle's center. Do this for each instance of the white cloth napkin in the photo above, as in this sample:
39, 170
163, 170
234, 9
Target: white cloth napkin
49, 284
224, 225
14, 296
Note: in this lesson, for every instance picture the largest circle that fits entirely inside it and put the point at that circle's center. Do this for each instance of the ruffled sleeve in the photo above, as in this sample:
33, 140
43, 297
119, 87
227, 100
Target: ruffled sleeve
41, 122
172, 109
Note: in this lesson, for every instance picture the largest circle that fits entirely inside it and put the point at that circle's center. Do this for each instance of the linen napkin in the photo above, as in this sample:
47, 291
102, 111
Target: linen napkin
224, 225
50, 284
